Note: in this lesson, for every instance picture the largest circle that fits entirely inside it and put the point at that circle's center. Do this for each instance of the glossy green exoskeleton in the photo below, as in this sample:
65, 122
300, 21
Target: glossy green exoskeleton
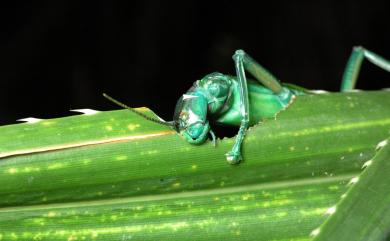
234, 100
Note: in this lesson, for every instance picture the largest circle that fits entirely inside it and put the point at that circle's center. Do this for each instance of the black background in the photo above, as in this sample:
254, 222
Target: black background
61, 55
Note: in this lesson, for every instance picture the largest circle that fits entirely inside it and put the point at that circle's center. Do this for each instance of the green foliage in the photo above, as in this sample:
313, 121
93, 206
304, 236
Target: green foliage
115, 176
364, 211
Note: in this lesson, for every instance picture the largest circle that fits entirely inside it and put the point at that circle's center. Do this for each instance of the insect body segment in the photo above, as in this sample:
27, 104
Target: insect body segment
237, 101
234, 100
217, 95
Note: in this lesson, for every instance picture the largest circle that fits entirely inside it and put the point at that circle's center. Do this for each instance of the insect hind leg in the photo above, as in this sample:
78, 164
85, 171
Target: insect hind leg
264, 76
354, 63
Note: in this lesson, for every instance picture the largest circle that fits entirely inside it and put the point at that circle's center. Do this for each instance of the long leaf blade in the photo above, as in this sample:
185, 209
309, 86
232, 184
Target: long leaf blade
149, 188
317, 136
364, 212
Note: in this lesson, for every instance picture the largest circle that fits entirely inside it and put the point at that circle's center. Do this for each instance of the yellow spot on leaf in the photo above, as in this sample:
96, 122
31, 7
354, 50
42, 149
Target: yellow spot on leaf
281, 214
72, 238
30, 169
292, 148
247, 197
179, 225
47, 123
121, 158
266, 204
312, 212
176, 185
94, 234
54, 166
234, 224
86, 161
239, 208
138, 208
334, 187
51, 214
132, 127
194, 167
12, 170
109, 128
14, 236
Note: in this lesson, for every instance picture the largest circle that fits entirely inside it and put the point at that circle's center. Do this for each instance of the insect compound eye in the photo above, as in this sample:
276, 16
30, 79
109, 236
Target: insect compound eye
178, 108
181, 116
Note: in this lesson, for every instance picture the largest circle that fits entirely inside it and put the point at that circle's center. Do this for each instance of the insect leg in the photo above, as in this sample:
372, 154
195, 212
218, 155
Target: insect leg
259, 72
234, 156
354, 63
265, 77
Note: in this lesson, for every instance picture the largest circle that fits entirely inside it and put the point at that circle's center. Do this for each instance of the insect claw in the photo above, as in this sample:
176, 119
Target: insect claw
233, 158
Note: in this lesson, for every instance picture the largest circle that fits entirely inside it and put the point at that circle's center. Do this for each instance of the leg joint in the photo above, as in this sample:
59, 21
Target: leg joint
358, 48
239, 54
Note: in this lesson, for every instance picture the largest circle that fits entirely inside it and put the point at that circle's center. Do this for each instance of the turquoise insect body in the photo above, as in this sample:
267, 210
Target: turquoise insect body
234, 100
217, 97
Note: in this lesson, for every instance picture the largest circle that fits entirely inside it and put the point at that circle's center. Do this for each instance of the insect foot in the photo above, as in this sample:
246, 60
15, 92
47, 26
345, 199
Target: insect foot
233, 157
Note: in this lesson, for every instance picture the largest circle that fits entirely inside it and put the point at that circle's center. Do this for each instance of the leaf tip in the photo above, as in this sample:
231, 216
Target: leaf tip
86, 111
381, 144
315, 232
331, 210
353, 180
319, 91
366, 164
30, 120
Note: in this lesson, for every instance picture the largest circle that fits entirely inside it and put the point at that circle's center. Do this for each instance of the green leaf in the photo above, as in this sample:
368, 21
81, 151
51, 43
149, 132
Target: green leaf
115, 176
364, 211
278, 211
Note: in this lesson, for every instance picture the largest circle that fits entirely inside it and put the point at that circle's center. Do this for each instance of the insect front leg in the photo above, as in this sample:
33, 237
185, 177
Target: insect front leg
354, 63
234, 156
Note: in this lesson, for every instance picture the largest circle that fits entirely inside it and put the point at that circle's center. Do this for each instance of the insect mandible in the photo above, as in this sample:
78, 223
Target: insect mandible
235, 100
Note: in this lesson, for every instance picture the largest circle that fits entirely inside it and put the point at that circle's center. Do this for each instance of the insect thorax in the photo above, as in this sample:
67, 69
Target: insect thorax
217, 89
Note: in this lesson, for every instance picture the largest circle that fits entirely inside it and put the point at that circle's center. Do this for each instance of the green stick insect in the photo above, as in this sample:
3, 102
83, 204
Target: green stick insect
234, 100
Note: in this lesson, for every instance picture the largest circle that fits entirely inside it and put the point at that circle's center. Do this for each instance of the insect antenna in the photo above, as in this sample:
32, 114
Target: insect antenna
166, 123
